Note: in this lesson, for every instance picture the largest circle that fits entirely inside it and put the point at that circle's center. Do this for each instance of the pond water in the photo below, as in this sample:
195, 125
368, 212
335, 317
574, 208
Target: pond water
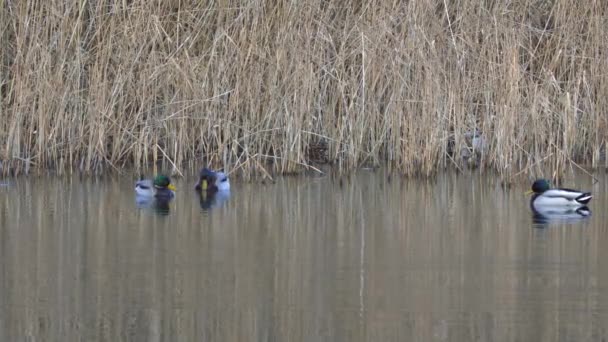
368, 258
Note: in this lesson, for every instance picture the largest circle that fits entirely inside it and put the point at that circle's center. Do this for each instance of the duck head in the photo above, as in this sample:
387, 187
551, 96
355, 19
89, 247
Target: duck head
539, 186
162, 182
206, 181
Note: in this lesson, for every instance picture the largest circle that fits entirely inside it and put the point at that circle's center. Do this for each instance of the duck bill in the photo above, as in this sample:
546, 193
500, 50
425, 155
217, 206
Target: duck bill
529, 192
204, 184
171, 187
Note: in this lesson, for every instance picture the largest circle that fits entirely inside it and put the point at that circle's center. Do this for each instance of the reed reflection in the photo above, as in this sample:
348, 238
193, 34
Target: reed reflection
367, 258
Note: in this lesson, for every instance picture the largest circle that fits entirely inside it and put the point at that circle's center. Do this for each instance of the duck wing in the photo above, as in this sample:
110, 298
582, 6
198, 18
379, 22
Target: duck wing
144, 184
569, 194
222, 182
144, 187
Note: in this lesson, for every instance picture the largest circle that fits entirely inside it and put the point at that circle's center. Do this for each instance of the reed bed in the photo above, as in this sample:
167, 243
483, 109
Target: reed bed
271, 87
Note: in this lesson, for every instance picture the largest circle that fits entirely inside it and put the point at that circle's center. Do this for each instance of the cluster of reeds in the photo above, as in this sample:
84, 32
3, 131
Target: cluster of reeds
277, 86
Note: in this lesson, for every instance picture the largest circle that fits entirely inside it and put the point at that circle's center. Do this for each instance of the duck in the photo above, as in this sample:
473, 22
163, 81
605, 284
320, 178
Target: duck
212, 181
545, 198
160, 188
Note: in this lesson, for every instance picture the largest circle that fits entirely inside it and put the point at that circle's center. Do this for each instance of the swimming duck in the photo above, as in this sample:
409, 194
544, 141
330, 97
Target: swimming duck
160, 188
544, 197
212, 181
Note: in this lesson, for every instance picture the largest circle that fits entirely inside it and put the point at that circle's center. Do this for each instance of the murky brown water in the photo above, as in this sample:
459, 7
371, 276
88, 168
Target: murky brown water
305, 259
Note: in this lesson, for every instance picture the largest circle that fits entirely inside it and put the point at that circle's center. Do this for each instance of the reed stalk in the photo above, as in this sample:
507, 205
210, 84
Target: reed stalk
269, 87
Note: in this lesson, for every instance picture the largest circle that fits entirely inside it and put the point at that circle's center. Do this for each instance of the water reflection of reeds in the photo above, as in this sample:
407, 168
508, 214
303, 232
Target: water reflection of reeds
455, 258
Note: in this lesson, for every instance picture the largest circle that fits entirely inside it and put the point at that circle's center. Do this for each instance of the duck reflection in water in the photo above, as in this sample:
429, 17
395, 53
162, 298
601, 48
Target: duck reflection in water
553, 215
158, 205
210, 201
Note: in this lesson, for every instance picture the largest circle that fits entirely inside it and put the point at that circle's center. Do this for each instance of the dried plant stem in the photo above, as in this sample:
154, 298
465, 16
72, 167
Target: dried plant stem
279, 87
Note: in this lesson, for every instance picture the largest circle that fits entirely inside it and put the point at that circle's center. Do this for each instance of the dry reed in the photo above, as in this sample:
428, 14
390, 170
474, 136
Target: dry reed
273, 86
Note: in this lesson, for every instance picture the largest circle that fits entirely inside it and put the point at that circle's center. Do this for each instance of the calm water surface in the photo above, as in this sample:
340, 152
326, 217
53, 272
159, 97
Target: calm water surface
304, 259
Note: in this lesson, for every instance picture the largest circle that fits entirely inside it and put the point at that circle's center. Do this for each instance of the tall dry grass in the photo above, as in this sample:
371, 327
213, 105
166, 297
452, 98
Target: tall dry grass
269, 85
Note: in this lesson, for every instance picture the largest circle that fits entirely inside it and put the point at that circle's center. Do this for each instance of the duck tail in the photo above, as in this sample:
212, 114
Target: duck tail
583, 211
584, 198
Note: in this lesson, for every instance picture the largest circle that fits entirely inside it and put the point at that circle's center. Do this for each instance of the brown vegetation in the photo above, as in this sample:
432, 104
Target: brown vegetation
270, 85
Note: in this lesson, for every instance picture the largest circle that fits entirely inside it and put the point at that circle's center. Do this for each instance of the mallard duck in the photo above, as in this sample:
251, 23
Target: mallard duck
212, 181
160, 187
546, 198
